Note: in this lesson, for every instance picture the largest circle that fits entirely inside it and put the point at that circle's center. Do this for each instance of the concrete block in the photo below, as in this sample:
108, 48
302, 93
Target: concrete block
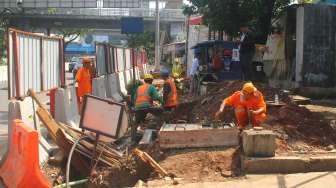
193, 135
128, 77
99, 87
259, 143
288, 164
148, 137
66, 107
113, 88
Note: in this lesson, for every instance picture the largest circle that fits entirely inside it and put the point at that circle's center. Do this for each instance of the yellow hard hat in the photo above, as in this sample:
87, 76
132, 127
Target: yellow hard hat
248, 87
148, 76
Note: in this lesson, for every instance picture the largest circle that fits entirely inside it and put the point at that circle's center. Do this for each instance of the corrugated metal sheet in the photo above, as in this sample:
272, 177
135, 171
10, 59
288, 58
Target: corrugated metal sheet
319, 48
120, 59
34, 62
101, 60
51, 59
128, 63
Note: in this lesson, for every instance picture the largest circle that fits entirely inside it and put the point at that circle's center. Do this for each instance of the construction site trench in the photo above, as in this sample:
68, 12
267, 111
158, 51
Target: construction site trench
302, 129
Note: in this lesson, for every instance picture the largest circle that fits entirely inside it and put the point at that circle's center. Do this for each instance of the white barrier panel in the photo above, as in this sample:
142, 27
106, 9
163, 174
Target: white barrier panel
99, 87
121, 81
66, 107
113, 88
128, 76
24, 110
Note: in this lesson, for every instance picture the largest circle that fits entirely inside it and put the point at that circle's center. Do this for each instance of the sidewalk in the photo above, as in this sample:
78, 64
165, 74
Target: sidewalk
302, 180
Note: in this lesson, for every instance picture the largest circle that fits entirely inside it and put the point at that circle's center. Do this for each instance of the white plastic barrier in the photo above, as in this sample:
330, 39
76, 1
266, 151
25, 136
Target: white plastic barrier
121, 80
24, 110
113, 88
66, 107
99, 87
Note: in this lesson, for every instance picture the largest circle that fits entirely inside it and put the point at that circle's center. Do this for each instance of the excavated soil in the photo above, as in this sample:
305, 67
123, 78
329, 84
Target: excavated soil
298, 129
198, 165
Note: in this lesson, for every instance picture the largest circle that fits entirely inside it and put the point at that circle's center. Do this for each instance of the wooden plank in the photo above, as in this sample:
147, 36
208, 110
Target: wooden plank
145, 157
198, 138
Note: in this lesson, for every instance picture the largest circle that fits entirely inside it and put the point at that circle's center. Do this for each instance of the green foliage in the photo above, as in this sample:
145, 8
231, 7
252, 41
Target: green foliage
144, 40
3, 34
228, 15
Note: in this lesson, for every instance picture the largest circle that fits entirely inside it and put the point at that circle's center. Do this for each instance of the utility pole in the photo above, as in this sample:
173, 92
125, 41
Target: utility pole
157, 36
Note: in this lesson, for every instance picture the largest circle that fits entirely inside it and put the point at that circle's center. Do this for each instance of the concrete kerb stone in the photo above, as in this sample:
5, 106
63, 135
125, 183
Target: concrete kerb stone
288, 164
259, 143
99, 87
113, 88
66, 107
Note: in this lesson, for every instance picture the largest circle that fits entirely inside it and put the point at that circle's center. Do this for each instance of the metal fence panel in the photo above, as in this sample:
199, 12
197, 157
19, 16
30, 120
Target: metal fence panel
51, 68
111, 68
34, 62
128, 63
121, 3
100, 60
120, 59
29, 63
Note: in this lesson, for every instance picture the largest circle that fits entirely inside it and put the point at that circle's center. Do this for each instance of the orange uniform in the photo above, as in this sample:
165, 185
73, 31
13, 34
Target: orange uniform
172, 98
242, 107
83, 77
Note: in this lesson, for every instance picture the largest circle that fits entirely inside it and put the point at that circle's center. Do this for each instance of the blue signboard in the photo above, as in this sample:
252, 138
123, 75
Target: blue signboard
131, 25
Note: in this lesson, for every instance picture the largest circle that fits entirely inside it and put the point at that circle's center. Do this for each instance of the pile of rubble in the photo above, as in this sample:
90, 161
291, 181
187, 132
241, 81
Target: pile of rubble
298, 129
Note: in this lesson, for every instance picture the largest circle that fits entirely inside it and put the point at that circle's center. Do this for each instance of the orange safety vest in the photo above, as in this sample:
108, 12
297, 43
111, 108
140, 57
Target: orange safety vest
172, 98
143, 96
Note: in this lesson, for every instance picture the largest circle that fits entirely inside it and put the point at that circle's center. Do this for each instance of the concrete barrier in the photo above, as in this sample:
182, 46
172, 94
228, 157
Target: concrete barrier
288, 164
113, 88
24, 110
66, 107
121, 80
99, 87
128, 76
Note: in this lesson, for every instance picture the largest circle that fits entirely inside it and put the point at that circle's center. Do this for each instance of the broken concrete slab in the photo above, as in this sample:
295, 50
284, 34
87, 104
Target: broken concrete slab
259, 143
288, 164
194, 135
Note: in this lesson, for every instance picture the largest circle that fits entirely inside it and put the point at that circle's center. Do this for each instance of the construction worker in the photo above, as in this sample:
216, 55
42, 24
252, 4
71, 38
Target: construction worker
249, 106
170, 98
131, 88
177, 68
145, 96
84, 79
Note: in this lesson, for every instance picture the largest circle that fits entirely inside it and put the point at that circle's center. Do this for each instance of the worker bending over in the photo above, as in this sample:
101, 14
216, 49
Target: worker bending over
84, 79
170, 98
249, 105
145, 96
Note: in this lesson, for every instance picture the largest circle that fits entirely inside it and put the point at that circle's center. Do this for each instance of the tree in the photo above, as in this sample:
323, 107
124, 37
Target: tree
228, 15
144, 40
3, 32
71, 34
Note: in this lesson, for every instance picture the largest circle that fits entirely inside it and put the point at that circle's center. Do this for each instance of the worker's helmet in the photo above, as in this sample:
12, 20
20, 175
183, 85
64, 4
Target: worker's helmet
148, 77
86, 60
249, 88
164, 72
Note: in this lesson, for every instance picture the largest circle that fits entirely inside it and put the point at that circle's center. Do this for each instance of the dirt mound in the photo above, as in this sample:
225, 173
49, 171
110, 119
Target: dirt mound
294, 125
196, 165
